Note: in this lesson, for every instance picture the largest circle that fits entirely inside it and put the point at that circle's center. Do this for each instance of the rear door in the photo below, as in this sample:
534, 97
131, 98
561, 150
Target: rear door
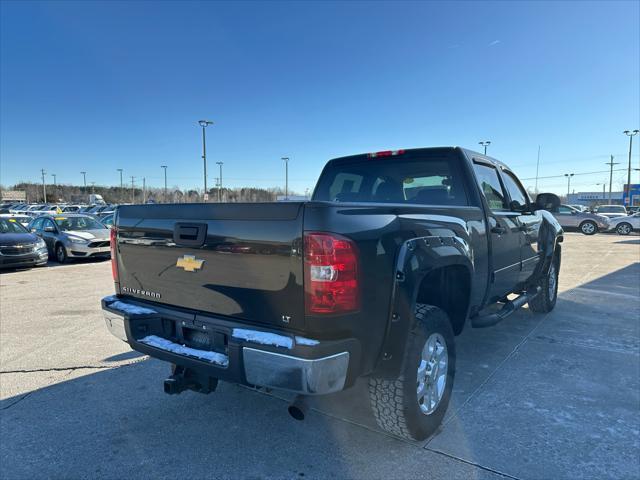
504, 228
236, 260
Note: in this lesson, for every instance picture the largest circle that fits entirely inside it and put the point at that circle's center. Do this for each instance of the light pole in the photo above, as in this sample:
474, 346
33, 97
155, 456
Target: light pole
286, 177
44, 187
204, 124
133, 192
568, 175
165, 182
84, 176
485, 144
93, 187
629, 134
537, 168
55, 186
611, 163
220, 182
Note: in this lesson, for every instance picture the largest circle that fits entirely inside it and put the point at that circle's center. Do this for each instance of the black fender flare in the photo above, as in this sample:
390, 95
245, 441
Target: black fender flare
416, 258
550, 236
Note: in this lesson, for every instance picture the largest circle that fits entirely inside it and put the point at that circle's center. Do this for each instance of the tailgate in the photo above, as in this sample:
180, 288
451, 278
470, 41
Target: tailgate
237, 260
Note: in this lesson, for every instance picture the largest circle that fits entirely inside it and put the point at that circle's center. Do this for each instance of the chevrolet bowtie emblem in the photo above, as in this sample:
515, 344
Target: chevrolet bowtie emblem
190, 263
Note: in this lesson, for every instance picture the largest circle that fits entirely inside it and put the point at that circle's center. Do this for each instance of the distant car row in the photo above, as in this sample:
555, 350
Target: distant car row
59, 236
608, 210
34, 210
610, 218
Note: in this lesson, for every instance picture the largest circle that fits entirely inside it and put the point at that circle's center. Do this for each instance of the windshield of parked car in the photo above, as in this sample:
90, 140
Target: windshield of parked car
420, 180
77, 223
612, 209
11, 225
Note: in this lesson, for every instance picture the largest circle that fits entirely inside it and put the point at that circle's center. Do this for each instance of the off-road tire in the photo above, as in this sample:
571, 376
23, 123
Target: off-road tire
60, 253
586, 226
395, 402
624, 228
545, 301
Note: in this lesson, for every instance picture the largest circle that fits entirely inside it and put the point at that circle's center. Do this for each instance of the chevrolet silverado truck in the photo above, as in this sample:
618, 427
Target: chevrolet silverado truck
374, 277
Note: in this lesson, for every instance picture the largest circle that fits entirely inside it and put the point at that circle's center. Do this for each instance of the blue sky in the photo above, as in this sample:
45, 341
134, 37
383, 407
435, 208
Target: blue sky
99, 86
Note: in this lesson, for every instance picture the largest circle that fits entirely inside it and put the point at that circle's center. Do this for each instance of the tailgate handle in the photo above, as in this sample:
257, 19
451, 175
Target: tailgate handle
190, 234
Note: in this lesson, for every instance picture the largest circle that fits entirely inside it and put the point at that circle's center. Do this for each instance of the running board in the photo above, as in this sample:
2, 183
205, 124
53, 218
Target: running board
511, 306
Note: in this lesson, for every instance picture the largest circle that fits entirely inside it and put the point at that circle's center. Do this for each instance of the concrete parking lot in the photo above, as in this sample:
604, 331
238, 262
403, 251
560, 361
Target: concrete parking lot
552, 396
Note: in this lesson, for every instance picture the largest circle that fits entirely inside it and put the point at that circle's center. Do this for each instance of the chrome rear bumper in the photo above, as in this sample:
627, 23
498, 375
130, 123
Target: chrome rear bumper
285, 372
251, 365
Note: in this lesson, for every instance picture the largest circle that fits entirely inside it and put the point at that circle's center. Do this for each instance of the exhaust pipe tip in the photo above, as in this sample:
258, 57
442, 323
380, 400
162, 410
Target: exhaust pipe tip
298, 408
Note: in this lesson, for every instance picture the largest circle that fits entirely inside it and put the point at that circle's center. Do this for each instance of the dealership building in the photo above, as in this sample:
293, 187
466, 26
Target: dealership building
591, 199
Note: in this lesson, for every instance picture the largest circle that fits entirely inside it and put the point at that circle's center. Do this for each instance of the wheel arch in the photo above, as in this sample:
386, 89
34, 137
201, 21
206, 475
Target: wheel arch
449, 288
427, 270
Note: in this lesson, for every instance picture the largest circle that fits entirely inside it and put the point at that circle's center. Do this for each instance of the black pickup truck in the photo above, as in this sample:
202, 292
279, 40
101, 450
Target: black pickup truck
374, 277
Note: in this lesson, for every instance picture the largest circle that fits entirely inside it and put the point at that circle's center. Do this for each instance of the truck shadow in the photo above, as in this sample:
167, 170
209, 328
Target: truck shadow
118, 420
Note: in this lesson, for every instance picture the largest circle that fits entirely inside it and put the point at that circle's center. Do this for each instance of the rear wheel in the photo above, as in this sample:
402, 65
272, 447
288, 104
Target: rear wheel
412, 406
61, 253
624, 228
588, 227
545, 301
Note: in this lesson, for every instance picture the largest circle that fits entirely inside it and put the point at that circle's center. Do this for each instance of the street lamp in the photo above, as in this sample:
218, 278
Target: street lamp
220, 182
629, 134
55, 186
204, 124
485, 144
165, 182
44, 187
84, 175
603, 189
286, 177
133, 192
568, 175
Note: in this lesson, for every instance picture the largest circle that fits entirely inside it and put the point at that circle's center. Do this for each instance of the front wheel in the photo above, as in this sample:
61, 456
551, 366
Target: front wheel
61, 253
588, 227
545, 301
412, 406
624, 228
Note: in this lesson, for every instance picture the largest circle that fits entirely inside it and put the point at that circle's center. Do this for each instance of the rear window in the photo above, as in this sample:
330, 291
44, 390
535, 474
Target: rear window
428, 181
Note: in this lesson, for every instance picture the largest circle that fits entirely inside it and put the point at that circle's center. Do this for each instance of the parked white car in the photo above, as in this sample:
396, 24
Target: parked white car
626, 225
610, 211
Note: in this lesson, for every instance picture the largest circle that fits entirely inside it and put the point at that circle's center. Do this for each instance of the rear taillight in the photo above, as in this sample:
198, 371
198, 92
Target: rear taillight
114, 261
331, 274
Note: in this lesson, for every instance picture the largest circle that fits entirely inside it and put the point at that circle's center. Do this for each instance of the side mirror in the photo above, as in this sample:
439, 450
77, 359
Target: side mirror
547, 201
516, 206
50, 229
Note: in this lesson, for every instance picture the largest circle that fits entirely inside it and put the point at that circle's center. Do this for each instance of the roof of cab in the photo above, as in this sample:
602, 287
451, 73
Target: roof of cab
469, 154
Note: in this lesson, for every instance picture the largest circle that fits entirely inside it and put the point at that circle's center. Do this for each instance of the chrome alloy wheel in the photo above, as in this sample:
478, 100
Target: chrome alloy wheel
588, 228
552, 281
624, 229
432, 373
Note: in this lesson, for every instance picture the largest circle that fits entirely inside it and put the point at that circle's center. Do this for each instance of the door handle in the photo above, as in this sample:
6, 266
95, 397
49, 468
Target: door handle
498, 229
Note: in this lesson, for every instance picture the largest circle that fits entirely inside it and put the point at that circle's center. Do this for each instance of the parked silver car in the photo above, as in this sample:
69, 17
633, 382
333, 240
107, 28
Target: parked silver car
626, 225
587, 223
72, 236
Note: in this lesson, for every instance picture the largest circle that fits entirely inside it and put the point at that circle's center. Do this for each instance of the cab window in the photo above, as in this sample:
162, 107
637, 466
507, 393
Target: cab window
516, 192
490, 185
